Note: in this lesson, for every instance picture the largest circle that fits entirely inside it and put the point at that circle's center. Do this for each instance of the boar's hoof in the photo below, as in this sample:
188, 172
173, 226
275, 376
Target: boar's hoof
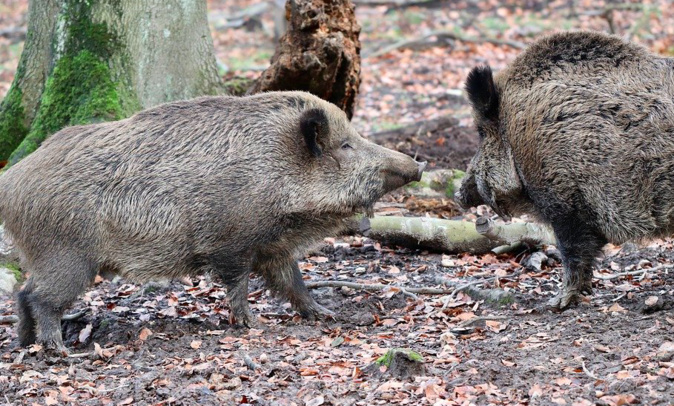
314, 311
242, 319
55, 349
565, 298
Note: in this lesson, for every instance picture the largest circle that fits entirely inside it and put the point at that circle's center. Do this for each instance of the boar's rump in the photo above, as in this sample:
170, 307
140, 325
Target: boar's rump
579, 132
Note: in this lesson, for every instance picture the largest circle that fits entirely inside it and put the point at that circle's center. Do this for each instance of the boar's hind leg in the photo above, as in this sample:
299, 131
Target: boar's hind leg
284, 279
51, 289
579, 244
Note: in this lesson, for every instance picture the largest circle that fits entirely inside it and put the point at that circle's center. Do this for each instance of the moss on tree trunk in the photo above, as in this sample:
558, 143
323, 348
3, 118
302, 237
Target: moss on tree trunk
92, 65
12, 122
80, 89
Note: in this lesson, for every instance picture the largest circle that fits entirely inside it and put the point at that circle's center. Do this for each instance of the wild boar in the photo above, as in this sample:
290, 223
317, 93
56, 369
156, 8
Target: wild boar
217, 184
579, 132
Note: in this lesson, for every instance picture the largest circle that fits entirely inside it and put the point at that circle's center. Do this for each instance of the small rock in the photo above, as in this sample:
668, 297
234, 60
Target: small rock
666, 352
7, 280
652, 304
652, 301
535, 261
552, 252
447, 262
5, 244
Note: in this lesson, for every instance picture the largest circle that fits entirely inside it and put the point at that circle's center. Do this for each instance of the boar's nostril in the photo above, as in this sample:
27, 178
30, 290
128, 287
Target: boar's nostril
420, 171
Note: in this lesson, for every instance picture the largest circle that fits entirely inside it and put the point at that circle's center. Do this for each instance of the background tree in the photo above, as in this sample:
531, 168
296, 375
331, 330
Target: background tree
98, 60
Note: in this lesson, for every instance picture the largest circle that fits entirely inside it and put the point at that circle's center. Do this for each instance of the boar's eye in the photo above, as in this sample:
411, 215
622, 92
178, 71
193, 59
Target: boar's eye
346, 145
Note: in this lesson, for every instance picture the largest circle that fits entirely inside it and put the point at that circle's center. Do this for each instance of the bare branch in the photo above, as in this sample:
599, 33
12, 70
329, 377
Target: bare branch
440, 37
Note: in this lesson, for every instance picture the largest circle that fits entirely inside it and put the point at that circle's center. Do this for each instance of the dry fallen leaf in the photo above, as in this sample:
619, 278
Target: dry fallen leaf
535, 391
318, 401
126, 401
85, 333
620, 400
196, 344
616, 308
144, 334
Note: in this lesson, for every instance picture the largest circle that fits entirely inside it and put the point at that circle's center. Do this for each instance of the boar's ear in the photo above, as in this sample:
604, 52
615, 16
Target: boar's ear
482, 92
315, 128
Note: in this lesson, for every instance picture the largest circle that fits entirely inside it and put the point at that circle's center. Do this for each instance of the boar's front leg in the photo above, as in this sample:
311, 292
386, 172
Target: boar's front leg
284, 279
580, 244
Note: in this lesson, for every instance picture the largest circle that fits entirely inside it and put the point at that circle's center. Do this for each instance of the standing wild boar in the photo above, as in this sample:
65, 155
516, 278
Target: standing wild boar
216, 184
579, 132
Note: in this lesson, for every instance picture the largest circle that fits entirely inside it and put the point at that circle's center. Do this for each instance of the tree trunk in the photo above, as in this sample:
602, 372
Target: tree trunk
319, 53
100, 60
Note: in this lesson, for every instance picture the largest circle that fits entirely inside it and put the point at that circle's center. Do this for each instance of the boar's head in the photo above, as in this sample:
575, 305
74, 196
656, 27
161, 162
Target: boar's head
492, 176
347, 173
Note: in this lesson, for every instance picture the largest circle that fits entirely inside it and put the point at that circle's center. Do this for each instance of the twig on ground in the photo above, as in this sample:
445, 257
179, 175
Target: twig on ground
74, 316
468, 322
80, 355
443, 35
11, 319
607, 12
378, 286
249, 361
588, 373
14, 32
637, 272
461, 288
282, 316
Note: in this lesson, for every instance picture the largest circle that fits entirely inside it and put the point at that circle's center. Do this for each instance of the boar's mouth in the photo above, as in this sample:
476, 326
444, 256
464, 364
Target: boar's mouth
394, 179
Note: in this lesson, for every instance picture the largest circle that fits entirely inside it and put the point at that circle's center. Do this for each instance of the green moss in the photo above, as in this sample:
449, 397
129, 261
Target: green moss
18, 275
452, 183
80, 89
12, 118
388, 357
238, 86
505, 300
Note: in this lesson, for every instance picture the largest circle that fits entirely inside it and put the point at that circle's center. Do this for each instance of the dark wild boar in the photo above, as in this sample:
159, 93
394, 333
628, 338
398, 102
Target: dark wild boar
216, 184
579, 132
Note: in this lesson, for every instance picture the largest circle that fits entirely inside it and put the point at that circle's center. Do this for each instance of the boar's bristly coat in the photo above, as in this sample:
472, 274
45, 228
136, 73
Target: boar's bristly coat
579, 132
216, 184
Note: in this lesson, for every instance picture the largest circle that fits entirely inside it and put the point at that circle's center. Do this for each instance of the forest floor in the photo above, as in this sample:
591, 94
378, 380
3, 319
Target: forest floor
171, 344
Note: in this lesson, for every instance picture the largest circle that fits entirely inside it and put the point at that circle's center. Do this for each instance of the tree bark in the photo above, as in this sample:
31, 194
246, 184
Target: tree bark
100, 60
319, 53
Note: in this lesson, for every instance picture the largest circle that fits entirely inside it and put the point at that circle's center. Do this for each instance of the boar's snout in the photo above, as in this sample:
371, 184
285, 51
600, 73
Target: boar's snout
468, 195
421, 166
401, 173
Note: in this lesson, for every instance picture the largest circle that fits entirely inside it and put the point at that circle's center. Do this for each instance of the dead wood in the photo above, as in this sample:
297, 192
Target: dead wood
319, 53
533, 234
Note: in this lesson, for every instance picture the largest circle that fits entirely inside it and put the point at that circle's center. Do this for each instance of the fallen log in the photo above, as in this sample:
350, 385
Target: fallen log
451, 236
532, 234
